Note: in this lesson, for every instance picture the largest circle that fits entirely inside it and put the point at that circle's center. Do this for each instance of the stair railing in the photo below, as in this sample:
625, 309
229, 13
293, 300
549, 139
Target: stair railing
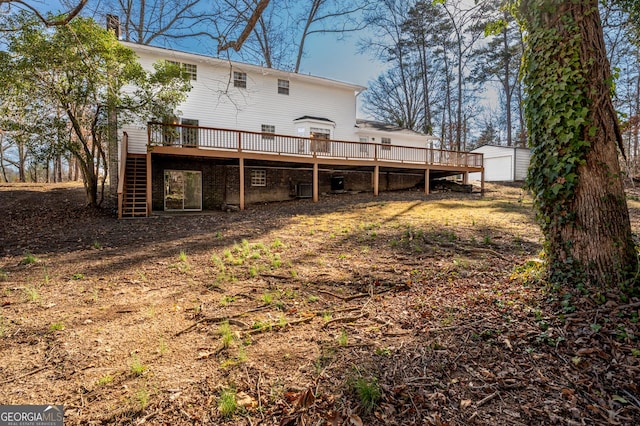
123, 167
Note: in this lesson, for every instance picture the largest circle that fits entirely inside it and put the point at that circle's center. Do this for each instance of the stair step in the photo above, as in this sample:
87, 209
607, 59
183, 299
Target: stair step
134, 203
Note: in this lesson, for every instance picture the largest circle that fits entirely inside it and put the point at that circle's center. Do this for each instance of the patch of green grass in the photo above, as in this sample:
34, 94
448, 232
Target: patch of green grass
137, 368
282, 321
56, 326
96, 245
104, 380
343, 338
162, 346
32, 294
267, 298
253, 271
326, 316
276, 262
77, 276
277, 244
383, 351
261, 325
227, 405
312, 298
28, 259
368, 392
143, 397
183, 256
226, 334
216, 261
242, 354
225, 300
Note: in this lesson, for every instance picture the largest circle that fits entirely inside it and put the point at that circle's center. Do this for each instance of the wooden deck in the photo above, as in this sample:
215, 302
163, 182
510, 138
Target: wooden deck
224, 143
184, 140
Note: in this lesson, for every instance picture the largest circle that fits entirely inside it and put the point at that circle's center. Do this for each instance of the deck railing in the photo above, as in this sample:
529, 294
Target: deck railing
177, 135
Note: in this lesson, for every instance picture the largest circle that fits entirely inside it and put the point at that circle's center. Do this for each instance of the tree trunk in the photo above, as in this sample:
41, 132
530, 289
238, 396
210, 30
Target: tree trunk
507, 79
575, 174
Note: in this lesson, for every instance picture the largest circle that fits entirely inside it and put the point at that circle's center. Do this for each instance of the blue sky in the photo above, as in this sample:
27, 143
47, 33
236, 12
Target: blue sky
339, 60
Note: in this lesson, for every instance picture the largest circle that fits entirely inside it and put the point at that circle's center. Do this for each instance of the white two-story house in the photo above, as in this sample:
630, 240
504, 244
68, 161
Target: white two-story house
252, 134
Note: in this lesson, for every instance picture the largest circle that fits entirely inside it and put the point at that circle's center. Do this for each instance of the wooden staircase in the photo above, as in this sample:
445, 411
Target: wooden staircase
134, 201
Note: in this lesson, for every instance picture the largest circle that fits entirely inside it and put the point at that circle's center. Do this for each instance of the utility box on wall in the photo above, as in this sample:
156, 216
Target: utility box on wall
304, 190
337, 183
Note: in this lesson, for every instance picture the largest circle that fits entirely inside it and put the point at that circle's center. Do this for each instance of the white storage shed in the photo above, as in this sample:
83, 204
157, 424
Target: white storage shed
503, 163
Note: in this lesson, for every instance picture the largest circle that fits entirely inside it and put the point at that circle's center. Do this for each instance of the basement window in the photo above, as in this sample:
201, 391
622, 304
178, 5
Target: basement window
258, 177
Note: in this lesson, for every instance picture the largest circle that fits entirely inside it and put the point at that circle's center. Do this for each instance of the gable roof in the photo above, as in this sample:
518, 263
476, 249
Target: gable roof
499, 147
378, 126
310, 118
171, 54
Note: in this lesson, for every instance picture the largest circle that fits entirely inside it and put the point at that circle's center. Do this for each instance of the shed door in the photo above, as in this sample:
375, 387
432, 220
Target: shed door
498, 168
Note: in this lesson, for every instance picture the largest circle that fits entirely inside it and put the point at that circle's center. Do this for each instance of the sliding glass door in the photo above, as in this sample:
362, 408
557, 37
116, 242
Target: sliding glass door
182, 190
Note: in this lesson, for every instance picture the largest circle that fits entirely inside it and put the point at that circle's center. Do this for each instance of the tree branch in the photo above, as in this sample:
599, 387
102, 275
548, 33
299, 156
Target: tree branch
251, 23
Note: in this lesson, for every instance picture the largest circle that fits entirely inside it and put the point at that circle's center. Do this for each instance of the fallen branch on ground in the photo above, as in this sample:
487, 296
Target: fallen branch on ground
214, 320
343, 319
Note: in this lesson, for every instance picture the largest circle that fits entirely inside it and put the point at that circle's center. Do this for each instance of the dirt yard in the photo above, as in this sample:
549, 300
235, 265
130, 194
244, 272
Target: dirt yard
403, 309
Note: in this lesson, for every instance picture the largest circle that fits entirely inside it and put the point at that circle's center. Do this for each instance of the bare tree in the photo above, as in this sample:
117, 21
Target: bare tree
38, 11
279, 38
467, 29
329, 17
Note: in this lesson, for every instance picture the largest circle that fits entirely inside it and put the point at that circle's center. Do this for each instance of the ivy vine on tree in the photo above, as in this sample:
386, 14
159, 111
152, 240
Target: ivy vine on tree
574, 135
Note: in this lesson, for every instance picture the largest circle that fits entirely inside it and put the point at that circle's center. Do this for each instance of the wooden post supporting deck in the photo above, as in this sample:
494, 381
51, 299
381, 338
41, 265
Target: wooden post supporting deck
465, 178
376, 180
149, 186
426, 181
316, 189
241, 183
482, 182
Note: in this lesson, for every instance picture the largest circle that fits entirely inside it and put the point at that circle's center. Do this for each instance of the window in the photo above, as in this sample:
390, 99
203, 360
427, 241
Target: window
258, 178
322, 136
240, 79
189, 69
283, 87
189, 134
268, 131
364, 147
386, 144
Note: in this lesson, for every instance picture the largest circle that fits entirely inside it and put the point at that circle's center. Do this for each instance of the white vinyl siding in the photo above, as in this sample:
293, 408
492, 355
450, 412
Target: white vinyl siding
260, 103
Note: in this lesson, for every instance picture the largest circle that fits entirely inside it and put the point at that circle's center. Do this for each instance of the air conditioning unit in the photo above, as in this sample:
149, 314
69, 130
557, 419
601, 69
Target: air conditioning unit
304, 190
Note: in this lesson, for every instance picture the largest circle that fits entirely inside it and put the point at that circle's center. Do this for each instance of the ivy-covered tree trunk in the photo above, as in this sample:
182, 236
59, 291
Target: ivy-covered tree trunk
574, 135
